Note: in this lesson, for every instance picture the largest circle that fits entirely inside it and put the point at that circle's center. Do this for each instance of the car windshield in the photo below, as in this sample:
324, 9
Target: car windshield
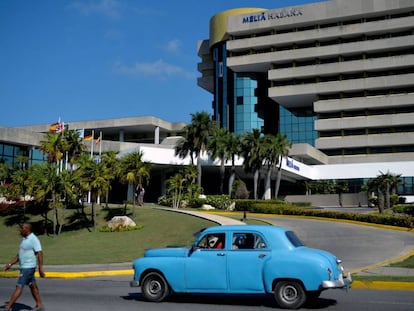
296, 242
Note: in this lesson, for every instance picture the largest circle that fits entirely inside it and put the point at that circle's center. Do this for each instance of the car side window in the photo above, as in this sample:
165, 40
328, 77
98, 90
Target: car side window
212, 241
243, 240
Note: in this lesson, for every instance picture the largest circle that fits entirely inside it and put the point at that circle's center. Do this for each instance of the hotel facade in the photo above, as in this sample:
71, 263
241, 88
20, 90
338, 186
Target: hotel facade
336, 77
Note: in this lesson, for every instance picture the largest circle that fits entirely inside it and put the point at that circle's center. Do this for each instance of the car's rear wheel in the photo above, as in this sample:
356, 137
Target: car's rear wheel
289, 294
154, 287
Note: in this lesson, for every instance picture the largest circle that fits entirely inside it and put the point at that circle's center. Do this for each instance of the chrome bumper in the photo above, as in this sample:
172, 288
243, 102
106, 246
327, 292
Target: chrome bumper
340, 283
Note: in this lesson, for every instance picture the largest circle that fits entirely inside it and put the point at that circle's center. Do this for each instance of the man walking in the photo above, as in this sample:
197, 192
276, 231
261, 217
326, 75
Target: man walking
30, 255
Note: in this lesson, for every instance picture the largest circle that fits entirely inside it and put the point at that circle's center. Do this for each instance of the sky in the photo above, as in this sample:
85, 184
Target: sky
102, 59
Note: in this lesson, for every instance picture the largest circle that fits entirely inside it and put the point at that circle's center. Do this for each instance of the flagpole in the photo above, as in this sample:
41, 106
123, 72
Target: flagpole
93, 136
100, 152
100, 144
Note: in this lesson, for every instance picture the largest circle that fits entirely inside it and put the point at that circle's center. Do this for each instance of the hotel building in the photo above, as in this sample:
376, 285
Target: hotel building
336, 77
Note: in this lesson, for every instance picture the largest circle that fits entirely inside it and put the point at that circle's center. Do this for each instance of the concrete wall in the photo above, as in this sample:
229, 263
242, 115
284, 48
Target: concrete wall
331, 200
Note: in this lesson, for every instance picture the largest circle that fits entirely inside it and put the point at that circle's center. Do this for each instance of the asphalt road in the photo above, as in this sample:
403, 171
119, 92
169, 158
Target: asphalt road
357, 246
114, 293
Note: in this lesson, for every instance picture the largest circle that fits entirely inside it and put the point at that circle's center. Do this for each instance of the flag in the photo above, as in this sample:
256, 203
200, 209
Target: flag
56, 127
81, 133
88, 137
98, 140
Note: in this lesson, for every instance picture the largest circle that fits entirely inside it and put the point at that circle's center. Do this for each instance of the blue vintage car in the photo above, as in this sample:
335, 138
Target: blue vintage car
242, 259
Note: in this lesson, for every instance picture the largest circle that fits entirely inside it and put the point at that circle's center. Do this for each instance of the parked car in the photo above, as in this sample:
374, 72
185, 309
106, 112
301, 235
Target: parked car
241, 259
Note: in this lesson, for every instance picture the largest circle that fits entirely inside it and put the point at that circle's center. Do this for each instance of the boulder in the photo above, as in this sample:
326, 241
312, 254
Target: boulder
207, 207
121, 222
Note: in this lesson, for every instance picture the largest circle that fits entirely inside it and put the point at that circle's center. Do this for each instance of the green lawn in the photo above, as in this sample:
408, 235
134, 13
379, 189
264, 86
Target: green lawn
160, 229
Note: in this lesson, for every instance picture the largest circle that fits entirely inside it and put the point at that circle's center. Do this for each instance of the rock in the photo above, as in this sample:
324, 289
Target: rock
121, 222
207, 207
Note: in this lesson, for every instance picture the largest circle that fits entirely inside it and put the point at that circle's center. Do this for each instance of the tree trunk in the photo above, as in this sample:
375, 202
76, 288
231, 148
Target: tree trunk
199, 171
278, 178
380, 201
222, 172
256, 182
387, 197
231, 179
340, 199
267, 195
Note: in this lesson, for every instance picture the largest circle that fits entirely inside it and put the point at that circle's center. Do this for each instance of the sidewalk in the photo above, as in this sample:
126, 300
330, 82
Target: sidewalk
388, 271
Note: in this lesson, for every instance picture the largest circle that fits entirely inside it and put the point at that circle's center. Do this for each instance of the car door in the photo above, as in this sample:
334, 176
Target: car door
205, 267
245, 262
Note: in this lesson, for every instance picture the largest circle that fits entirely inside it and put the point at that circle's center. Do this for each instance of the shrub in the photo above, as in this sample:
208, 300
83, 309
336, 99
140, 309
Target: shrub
404, 209
239, 190
221, 202
165, 201
284, 208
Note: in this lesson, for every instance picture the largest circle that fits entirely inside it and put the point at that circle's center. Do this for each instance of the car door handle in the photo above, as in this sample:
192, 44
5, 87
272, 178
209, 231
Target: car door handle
261, 256
220, 254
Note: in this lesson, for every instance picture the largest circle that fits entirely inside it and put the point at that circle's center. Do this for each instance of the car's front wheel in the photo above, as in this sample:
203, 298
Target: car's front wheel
154, 287
289, 294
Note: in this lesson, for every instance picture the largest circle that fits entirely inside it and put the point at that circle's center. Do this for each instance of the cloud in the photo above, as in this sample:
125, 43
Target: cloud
109, 8
158, 68
173, 46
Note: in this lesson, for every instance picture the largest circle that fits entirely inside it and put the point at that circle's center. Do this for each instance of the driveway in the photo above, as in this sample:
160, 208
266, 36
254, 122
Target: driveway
358, 246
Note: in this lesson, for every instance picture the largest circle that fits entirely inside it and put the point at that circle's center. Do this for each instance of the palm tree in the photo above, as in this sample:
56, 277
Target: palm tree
23, 161
69, 194
45, 188
272, 158
388, 183
252, 152
74, 145
175, 188
184, 148
376, 186
233, 149
217, 148
190, 176
133, 170
196, 136
4, 172
283, 146
85, 174
111, 164
52, 147
20, 179
341, 187
99, 183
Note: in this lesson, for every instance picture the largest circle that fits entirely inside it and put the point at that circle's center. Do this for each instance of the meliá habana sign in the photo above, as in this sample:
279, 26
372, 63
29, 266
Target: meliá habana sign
269, 15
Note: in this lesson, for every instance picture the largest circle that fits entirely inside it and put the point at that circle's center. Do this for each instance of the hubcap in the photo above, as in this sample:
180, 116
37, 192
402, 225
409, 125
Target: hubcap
289, 293
154, 287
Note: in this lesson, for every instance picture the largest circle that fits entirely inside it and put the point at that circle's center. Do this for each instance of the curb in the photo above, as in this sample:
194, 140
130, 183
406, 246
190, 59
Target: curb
72, 275
383, 285
378, 285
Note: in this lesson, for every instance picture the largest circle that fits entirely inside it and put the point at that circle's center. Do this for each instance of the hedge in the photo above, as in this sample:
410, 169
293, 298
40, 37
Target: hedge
284, 208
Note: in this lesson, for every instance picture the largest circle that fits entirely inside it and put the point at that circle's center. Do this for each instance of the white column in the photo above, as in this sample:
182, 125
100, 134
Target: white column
157, 135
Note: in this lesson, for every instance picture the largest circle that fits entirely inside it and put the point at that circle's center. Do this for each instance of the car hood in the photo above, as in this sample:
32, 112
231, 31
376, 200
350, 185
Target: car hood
167, 252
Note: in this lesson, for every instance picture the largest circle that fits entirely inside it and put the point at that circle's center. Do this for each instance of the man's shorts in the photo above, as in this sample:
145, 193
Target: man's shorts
26, 277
